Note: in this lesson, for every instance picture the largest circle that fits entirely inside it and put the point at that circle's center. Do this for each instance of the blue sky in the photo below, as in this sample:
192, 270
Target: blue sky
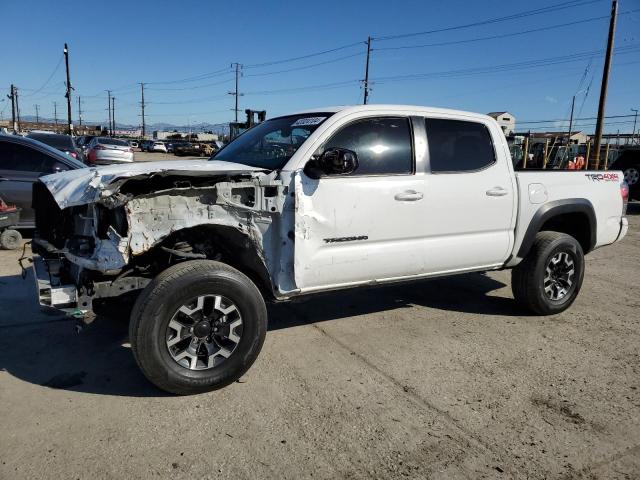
117, 44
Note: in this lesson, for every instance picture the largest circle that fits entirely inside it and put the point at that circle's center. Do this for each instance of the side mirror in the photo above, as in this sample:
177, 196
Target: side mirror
58, 167
335, 161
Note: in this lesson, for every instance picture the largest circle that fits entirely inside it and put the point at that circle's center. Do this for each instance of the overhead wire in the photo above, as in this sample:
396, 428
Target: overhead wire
489, 21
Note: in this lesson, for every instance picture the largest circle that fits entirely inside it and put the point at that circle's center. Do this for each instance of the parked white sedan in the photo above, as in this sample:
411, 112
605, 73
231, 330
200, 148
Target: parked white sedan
104, 150
158, 147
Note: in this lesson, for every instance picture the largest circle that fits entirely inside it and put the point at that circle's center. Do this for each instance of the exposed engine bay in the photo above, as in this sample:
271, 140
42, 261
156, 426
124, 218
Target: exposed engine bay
108, 231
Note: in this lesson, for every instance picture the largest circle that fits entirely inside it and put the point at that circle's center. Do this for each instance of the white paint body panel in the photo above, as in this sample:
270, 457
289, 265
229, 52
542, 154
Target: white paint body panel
561, 185
344, 231
457, 226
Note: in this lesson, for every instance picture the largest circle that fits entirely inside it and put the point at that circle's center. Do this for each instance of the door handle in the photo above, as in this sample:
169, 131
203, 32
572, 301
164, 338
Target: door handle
496, 192
3, 179
409, 196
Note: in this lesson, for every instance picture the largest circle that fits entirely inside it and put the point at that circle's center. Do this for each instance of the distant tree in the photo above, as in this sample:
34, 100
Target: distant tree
192, 136
175, 136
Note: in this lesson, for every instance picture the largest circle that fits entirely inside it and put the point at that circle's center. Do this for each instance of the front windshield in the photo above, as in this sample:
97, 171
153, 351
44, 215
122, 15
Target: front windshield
271, 144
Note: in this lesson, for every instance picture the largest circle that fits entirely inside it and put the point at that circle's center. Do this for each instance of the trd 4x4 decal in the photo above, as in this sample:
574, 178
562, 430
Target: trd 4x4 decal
602, 177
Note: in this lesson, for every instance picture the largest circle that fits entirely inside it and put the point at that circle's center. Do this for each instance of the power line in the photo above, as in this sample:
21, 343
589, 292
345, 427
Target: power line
543, 62
359, 54
302, 57
575, 119
192, 100
196, 78
515, 16
227, 80
55, 70
504, 35
326, 86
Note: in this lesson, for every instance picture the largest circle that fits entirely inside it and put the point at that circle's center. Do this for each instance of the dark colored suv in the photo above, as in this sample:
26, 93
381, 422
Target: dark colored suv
22, 161
64, 143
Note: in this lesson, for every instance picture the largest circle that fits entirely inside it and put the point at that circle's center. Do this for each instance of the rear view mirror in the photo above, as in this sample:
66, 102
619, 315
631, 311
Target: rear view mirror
335, 161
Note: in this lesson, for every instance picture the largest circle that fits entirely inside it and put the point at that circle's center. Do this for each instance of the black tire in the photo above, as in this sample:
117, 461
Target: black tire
160, 301
10, 239
528, 278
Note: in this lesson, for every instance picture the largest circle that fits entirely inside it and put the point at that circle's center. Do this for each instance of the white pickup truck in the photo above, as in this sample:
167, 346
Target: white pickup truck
304, 203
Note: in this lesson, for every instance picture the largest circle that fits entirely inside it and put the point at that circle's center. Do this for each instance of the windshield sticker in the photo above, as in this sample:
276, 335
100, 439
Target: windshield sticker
307, 121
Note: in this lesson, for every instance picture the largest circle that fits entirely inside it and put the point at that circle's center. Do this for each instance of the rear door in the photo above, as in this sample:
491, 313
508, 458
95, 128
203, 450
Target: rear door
470, 200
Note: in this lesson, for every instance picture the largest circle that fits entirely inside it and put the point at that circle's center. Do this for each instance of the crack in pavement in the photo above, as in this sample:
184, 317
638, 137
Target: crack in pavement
469, 436
616, 456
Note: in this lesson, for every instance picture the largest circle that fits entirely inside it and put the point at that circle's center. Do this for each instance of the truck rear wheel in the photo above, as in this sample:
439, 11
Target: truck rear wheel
197, 326
548, 280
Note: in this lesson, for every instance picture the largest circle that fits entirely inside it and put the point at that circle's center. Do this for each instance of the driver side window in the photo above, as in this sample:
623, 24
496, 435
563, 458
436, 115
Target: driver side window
383, 145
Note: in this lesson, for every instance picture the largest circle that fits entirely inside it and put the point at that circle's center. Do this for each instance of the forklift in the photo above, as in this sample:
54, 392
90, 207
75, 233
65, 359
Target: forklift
254, 117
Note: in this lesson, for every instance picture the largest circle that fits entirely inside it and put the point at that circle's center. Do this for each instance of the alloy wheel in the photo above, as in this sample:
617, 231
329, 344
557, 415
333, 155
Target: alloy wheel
631, 175
558, 279
204, 332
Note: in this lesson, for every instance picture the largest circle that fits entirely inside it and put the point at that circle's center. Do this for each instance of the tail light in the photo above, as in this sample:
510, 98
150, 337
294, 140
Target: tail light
4, 208
73, 154
624, 191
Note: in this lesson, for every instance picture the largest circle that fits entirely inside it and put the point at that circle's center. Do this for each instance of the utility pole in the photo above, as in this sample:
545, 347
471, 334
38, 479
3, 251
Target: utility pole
13, 108
55, 113
605, 82
236, 93
142, 107
366, 72
37, 115
113, 114
79, 111
109, 107
573, 102
15, 94
69, 88
635, 120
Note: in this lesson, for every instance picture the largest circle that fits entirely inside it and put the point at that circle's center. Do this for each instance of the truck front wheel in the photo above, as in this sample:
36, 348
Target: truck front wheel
197, 326
548, 280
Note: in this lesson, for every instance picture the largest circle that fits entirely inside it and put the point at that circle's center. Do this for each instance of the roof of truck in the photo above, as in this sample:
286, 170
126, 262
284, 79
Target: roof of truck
378, 107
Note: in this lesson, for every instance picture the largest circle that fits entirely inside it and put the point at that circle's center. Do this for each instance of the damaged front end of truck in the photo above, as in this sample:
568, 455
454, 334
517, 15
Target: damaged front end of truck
104, 233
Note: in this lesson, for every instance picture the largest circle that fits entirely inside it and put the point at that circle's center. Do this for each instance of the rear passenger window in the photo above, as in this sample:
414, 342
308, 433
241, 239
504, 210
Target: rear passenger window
20, 158
458, 146
383, 145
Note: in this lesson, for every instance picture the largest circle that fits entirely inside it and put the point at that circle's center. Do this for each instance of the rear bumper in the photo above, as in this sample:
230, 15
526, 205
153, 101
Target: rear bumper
107, 157
624, 227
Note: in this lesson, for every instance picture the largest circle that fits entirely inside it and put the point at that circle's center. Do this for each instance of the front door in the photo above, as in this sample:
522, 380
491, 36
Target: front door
362, 226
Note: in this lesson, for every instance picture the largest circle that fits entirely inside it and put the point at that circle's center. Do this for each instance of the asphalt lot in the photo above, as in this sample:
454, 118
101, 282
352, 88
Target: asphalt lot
438, 379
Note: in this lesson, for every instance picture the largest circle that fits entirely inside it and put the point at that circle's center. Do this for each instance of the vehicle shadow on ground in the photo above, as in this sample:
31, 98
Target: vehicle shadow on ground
466, 293
43, 349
